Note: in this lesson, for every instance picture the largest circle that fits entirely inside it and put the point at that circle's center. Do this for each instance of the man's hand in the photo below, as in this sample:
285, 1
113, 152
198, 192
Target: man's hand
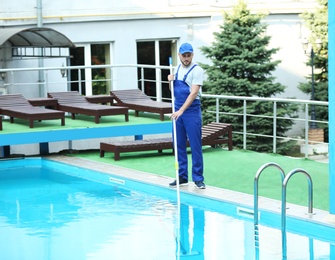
170, 77
177, 114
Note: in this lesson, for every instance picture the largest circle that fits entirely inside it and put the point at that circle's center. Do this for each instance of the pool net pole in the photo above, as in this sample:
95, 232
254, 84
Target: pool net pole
176, 163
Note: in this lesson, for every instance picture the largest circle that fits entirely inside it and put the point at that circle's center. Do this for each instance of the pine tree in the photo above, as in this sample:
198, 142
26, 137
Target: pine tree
242, 66
317, 23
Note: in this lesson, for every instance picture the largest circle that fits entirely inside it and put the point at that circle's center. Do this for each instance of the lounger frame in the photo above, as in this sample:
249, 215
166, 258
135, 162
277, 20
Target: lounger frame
16, 106
212, 134
74, 103
136, 100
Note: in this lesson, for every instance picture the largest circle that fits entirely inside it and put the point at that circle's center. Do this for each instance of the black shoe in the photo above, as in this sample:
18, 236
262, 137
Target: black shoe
182, 182
200, 184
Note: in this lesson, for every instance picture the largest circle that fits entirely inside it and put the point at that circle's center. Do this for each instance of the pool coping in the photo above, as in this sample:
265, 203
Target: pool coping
242, 199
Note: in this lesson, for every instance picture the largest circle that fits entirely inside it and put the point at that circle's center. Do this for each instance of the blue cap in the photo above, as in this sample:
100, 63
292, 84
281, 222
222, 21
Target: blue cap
185, 47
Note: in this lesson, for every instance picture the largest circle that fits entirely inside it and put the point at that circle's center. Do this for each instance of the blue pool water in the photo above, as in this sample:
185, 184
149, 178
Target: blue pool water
51, 211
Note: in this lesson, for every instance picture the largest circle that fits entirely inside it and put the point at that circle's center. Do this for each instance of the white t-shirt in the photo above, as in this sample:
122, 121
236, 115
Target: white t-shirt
195, 77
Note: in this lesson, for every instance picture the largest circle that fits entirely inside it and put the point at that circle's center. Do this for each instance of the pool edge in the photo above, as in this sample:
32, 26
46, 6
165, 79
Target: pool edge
242, 199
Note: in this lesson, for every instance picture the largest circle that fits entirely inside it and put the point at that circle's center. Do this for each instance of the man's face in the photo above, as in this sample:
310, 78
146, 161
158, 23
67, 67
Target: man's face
186, 58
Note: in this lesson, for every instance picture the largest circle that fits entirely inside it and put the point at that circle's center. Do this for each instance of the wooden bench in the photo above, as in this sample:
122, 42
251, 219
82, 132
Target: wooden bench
212, 134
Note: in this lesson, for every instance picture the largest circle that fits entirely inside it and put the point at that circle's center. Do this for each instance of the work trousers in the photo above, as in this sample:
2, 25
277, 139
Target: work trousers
188, 127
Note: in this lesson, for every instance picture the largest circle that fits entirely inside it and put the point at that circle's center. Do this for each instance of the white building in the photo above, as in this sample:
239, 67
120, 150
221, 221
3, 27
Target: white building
125, 33
145, 32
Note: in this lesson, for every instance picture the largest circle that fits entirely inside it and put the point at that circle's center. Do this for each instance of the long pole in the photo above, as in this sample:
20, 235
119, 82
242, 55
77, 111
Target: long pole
313, 123
176, 164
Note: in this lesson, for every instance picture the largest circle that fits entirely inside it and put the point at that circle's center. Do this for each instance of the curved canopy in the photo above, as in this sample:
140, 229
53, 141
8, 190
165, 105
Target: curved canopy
34, 37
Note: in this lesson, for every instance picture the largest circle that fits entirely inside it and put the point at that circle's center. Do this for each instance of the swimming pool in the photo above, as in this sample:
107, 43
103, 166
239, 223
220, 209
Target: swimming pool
50, 210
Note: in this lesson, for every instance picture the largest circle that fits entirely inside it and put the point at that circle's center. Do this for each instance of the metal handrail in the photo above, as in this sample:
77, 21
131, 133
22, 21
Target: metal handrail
306, 103
307, 121
283, 207
256, 217
258, 174
285, 180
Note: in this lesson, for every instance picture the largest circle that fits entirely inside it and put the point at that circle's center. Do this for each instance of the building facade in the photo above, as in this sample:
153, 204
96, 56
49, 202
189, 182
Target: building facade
146, 32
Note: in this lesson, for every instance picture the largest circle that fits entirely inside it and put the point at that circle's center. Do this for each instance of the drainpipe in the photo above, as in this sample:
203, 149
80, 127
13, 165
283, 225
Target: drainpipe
41, 81
39, 13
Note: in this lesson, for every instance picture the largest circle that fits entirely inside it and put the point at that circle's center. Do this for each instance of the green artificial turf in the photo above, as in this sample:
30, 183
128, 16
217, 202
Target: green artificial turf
235, 170
81, 121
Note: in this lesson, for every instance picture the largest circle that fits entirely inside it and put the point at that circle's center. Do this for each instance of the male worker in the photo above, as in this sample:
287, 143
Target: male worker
187, 83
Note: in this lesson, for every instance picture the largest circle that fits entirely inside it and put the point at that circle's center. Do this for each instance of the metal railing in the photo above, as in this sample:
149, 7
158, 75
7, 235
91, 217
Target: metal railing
12, 78
306, 119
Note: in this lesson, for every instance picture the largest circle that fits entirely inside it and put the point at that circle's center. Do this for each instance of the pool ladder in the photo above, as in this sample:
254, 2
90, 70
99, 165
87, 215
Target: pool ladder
284, 180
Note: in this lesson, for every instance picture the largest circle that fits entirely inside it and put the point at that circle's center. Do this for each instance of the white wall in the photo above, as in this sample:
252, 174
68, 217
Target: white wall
122, 23
286, 32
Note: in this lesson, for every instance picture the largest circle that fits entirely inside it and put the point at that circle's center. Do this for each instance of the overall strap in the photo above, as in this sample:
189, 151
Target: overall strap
184, 79
186, 73
177, 72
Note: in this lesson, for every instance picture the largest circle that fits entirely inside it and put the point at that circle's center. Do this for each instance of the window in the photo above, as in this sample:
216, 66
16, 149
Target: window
95, 81
154, 53
77, 77
100, 77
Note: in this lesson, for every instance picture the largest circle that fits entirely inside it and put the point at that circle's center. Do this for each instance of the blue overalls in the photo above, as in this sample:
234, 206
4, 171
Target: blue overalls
188, 126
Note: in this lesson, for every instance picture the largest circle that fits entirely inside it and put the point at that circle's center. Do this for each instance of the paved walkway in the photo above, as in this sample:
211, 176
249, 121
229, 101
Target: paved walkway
320, 158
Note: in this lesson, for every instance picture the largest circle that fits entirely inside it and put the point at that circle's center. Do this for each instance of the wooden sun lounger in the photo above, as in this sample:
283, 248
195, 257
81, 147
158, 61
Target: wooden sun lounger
212, 134
136, 100
74, 103
16, 106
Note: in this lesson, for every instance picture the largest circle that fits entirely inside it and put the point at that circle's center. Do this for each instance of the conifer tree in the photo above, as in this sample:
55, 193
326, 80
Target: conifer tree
242, 66
317, 23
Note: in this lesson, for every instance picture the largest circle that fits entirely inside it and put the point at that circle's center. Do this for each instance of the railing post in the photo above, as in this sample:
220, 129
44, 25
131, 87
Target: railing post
274, 127
244, 124
11, 84
111, 79
46, 83
142, 79
217, 110
306, 130
79, 81
158, 85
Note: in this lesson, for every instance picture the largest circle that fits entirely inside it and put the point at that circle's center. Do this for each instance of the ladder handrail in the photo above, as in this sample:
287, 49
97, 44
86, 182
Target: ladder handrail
260, 170
285, 180
283, 207
310, 189
258, 174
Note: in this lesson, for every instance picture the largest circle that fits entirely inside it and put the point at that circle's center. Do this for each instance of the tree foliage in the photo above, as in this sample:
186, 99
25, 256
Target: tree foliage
317, 23
242, 65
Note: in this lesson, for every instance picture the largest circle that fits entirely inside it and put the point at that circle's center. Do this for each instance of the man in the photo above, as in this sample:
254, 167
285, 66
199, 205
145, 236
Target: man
187, 83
